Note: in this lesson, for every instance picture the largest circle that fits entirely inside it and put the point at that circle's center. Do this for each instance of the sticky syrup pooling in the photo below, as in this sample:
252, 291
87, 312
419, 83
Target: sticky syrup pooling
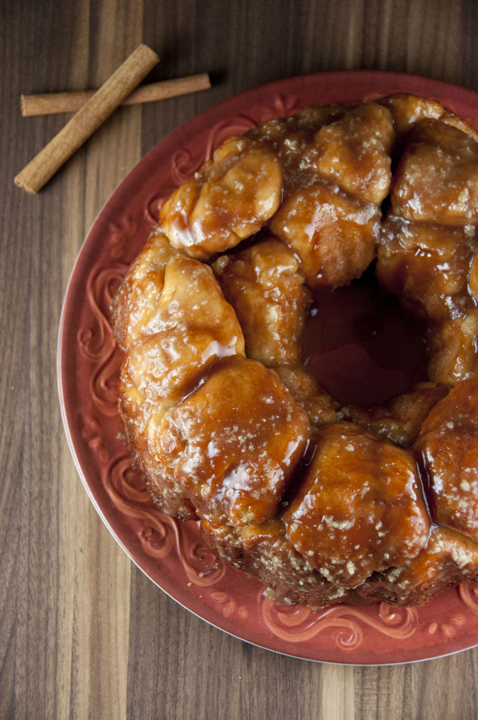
324, 500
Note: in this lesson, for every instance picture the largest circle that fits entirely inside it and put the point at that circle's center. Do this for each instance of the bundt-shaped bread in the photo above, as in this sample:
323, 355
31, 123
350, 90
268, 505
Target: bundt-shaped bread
324, 502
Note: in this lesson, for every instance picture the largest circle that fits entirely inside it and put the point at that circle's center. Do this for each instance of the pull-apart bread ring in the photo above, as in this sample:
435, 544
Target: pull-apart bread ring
324, 503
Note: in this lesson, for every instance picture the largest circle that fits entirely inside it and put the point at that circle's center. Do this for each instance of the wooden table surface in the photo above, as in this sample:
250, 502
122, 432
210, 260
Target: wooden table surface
83, 633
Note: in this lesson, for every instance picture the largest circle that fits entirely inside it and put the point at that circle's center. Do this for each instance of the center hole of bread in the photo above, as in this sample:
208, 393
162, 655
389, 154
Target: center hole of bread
361, 345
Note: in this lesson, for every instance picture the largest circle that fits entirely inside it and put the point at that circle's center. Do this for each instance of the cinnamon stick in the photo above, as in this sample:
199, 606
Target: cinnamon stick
51, 103
37, 173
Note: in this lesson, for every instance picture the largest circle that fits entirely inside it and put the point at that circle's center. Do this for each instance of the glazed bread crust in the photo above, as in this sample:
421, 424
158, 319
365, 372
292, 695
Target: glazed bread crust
324, 503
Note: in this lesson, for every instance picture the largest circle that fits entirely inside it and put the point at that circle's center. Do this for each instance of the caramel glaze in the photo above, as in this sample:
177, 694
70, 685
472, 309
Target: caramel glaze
359, 507
235, 442
324, 501
447, 449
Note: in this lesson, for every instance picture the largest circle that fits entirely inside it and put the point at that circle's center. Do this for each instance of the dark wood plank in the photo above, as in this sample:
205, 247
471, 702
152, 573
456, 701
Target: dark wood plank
31, 286
198, 670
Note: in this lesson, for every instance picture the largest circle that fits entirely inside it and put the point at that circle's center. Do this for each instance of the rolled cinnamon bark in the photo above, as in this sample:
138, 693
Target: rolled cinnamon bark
51, 103
82, 125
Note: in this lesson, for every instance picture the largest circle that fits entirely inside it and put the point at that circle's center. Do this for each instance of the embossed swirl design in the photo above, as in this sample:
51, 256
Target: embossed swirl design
158, 535
304, 624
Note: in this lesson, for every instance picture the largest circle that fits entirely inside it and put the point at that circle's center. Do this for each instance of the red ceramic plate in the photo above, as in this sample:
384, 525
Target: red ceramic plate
169, 552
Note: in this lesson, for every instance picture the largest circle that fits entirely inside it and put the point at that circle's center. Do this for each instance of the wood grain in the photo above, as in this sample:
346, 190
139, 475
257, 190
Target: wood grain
83, 634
